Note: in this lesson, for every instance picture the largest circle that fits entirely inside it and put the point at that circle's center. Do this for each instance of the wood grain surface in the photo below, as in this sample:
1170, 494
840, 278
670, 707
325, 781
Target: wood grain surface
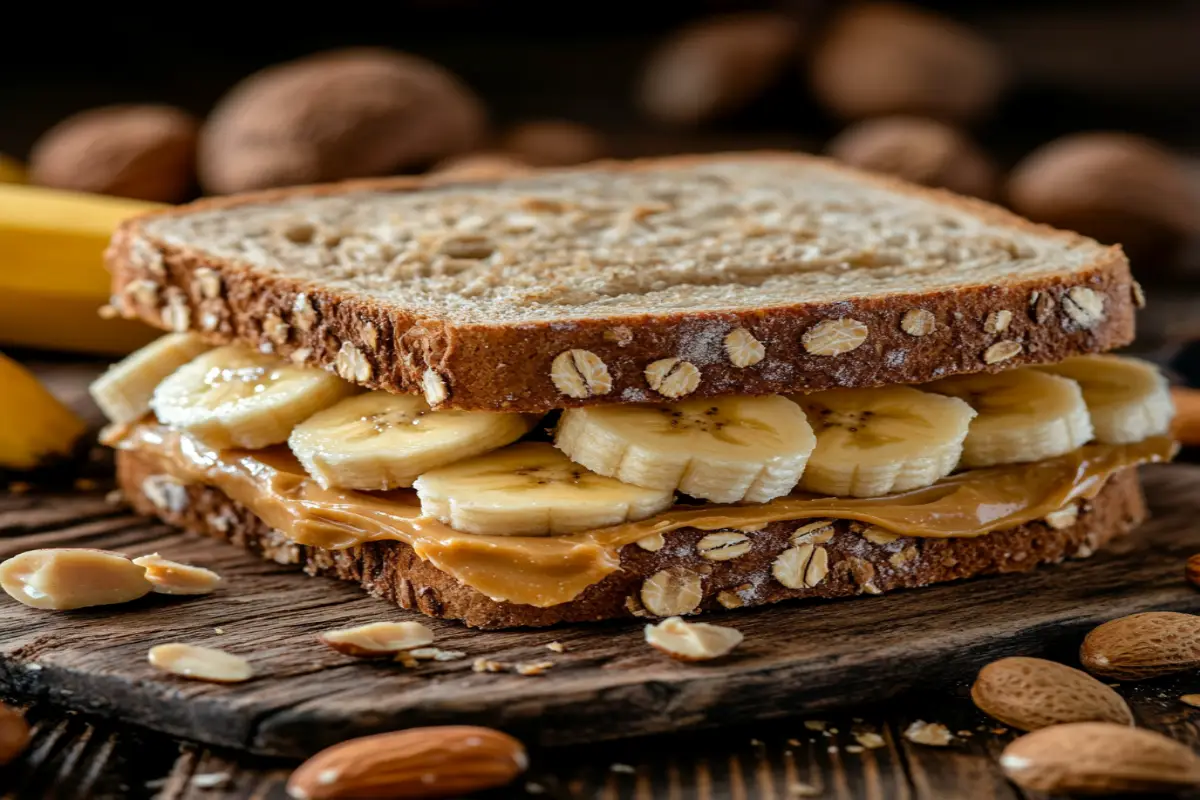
607, 684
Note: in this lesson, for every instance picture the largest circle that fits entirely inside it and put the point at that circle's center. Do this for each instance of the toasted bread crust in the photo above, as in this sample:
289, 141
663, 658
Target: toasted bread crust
857, 564
508, 366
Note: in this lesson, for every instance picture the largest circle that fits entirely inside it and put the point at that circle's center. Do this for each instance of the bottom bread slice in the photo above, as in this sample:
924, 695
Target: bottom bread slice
839, 559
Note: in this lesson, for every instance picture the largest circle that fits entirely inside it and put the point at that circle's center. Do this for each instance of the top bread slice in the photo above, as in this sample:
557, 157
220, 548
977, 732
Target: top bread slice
627, 281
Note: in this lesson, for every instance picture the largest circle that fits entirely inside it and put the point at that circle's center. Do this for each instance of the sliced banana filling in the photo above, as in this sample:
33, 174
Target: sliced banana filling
727, 450
384, 441
872, 442
532, 489
613, 464
1024, 415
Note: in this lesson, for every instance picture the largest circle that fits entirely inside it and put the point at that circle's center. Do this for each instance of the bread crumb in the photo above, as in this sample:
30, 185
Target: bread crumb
933, 734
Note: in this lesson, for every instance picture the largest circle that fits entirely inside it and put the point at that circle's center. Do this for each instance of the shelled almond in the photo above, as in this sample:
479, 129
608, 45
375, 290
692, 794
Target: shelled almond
14, 733
1143, 646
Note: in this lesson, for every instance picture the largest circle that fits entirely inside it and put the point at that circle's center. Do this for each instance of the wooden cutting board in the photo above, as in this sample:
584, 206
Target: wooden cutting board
797, 658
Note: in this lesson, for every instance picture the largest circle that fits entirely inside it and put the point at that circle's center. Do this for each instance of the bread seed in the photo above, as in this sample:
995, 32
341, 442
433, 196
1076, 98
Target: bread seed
934, 734
818, 532
369, 335
378, 639
66, 578
729, 599
1032, 693
801, 567
275, 328
918, 322
672, 591
209, 282
1041, 306
1084, 306
833, 337
434, 388
673, 378
692, 641
1143, 646
171, 577
200, 663
997, 321
166, 493
654, 542
723, 546
351, 364
1001, 351
743, 349
1064, 518
1139, 296
303, 313
580, 374
177, 315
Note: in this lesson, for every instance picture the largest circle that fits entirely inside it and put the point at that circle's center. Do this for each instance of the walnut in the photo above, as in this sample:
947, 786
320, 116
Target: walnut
1115, 187
879, 58
481, 166
340, 114
553, 143
920, 150
141, 152
717, 66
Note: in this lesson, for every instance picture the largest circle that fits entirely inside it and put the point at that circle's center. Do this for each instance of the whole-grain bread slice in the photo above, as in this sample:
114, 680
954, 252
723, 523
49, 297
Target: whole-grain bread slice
627, 281
855, 559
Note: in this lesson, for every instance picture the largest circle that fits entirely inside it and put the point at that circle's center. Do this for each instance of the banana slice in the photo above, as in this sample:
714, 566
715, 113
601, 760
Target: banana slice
872, 442
725, 449
531, 489
123, 392
234, 397
384, 441
1024, 415
1128, 399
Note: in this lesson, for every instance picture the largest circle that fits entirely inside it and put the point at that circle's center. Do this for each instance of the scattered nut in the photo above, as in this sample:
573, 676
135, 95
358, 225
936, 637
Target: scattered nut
340, 114
1032, 693
832, 337
672, 591
920, 150
1143, 646
14, 734
171, 577
918, 322
450, 761
553, 143
1192, 570
997, 321
1190, 700
1099, 758
66, 578
1002, 351
200, 663
1115, 187
673, 378
934, 734
434, 387
141, 152
580, 374
692, 641
723, 546
880, 58
479, 167
378, 639
1084, 306
801, 567
743, 349
352, 365
716, 66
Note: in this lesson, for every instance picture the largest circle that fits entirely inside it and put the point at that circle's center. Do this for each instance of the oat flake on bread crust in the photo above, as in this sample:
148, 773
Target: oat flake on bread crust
488, 282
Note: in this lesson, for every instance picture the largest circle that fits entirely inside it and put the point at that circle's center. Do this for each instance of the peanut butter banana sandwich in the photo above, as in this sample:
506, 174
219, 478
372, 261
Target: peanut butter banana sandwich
647, 389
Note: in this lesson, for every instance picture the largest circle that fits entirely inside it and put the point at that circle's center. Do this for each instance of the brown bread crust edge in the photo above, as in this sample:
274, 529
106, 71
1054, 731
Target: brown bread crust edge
507, 366
856, 565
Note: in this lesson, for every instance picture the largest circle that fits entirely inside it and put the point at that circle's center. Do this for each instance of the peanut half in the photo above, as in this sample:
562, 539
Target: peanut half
433, 762
66, 578
378, 639
200, 663
692, 641
171, 577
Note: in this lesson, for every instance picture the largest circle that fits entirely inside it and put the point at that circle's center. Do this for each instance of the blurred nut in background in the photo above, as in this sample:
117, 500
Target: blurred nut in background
920, 150
553, 143
342, 114
889, 58
136, 151
716, 66
479, 167
1114, 187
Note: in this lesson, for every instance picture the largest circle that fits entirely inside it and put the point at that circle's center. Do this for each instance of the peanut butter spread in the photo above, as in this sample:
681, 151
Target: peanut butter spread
546, 571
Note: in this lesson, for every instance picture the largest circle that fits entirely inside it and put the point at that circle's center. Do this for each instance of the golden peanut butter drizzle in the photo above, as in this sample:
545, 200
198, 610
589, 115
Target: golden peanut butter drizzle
548, 570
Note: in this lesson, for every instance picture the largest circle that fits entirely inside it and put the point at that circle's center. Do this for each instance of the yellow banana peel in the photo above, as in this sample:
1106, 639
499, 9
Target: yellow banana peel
52, 276
35, 426
11, 170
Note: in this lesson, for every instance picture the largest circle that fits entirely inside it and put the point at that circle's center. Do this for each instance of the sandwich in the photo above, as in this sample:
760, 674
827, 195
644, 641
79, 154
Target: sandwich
646, 389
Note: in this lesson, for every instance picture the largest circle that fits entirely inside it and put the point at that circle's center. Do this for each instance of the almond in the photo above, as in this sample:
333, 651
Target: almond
1099, 758
1192, 570
417, 763
1032, 693
14, 733
1143, 646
